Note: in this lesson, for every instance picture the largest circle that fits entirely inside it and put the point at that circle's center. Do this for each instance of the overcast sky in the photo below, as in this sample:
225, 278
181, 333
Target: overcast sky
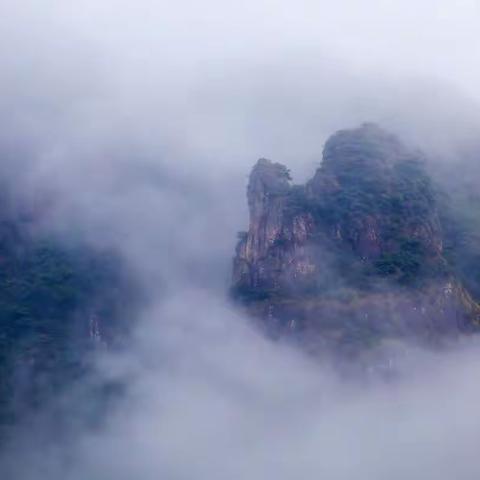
227, 82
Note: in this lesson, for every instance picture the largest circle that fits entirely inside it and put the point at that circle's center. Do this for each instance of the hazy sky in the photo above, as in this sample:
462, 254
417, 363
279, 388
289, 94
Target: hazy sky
227, 82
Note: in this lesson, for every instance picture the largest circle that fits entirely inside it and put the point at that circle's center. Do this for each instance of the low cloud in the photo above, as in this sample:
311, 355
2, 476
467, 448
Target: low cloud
208, 397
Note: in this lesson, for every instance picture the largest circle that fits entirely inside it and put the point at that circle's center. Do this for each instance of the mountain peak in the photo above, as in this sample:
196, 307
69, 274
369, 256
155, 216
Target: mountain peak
368, 146
273, 176
368, 224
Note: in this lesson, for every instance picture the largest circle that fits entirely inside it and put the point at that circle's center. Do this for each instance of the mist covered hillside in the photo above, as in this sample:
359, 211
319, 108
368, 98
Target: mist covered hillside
360, 253
60, 299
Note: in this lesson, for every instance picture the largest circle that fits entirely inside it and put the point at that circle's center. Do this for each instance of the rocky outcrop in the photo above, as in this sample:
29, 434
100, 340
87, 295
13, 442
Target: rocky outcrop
354, 255
274, 254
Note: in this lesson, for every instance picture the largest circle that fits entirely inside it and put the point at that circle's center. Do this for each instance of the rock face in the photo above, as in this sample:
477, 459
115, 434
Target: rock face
354, 255
273, 254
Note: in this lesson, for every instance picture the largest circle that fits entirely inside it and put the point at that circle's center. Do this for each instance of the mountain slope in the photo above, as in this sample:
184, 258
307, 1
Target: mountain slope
58, 300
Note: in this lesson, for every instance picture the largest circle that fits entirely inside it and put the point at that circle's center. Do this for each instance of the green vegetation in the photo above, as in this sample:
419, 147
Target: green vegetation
461, 227
406, 263
48, 293
381, 184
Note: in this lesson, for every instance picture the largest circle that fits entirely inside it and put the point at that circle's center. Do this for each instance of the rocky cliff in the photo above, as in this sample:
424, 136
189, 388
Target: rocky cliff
354, 255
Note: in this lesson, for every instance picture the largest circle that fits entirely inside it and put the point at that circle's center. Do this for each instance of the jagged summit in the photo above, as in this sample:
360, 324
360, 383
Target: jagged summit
267, 179
361, 243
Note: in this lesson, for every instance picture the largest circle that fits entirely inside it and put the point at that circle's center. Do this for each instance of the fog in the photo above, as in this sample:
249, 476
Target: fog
208, 397
138, 123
